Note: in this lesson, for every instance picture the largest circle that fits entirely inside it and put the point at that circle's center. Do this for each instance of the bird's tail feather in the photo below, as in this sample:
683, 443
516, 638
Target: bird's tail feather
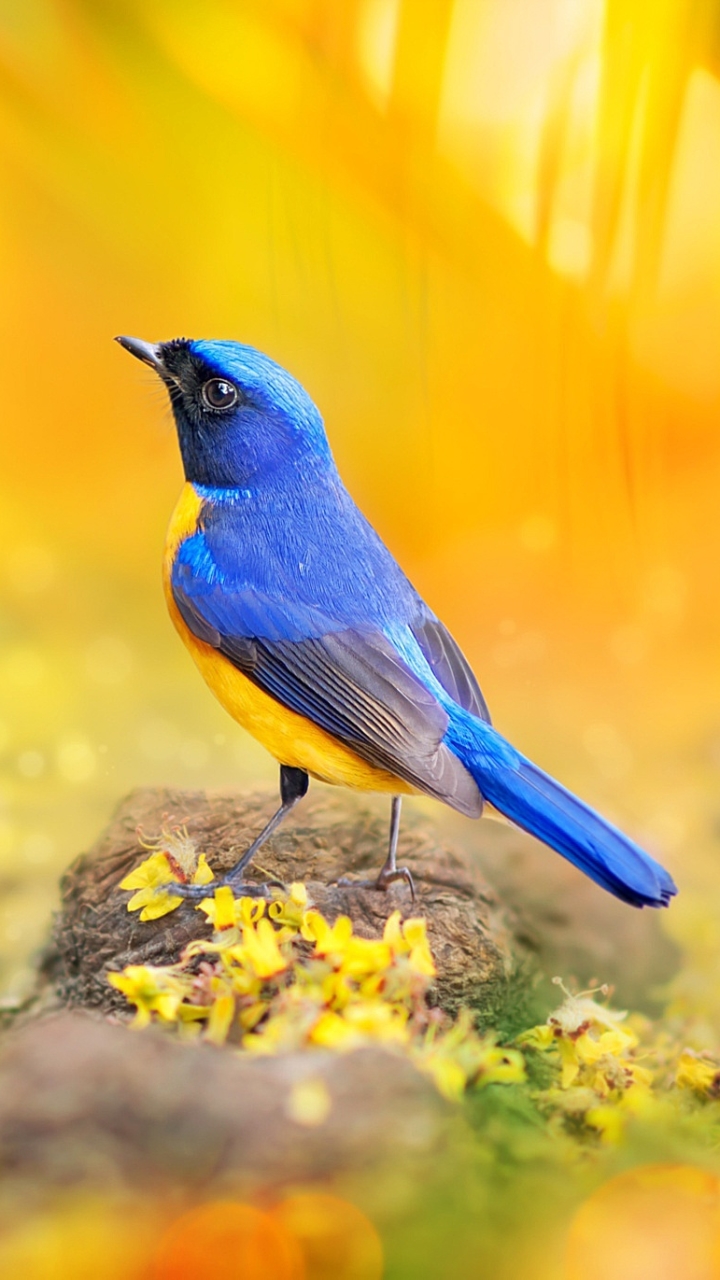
538, 804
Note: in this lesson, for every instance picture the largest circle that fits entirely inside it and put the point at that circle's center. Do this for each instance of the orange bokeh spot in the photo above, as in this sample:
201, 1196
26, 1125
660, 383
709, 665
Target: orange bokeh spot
226, 1241
337, 1240
657, 1222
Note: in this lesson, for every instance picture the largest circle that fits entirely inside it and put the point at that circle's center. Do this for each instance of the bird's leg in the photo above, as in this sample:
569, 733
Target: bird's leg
293, 786
390, 871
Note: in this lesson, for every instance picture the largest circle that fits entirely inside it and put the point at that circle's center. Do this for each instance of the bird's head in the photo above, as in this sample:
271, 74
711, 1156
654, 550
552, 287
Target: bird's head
240, 416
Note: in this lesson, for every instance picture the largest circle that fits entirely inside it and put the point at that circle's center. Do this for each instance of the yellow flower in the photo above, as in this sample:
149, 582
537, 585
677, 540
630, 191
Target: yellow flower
151, 990
225, 911
449, 1077
219, 1022
393, 934
542, 1038
251, 1014
336, 991
152, 899
351, 991
331, 1031
260, 950
580, 1010
178, 847
376, 1020
204, 873
698, 1074
328, 939
245, 981
415, 934
220, 909
501, 1066
148, 879
365, 956
359, 1023
360, 957
569, 1061
280, 1033
289, 911
609, 1122
460, 1057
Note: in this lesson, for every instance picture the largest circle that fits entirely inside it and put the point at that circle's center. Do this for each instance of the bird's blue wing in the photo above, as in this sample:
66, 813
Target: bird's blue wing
448, 663
349, 681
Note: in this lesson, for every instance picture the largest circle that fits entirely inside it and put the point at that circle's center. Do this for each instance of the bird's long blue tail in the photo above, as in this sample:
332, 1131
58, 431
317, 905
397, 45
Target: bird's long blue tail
538, 804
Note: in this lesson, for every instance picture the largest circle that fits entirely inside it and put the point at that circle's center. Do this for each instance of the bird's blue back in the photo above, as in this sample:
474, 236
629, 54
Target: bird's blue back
287, 536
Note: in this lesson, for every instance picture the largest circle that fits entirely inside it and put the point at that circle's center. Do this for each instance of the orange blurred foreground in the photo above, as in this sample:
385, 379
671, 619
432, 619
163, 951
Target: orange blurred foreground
309, 1236
226, 1241
337, 1240
658, 1222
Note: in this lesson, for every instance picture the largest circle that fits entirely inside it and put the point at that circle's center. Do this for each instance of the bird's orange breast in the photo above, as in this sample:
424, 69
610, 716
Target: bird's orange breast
289, 737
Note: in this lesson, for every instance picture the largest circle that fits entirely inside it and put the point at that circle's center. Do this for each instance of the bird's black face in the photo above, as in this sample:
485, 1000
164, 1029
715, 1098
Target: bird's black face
196, 392
204, 405
239, 416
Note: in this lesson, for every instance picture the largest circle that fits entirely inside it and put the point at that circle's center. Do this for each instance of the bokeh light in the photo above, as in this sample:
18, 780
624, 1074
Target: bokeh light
338, 1241
656, 1222
227, 1241
78, 1237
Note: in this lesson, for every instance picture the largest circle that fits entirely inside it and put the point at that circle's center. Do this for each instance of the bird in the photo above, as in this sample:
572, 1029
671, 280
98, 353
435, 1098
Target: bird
309, 633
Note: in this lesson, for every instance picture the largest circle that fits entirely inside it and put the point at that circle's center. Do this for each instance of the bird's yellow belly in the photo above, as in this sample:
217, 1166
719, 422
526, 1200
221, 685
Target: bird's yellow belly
289, 737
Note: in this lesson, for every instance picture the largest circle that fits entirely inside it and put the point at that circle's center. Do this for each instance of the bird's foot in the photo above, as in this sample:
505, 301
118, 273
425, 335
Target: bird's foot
242, 888
382, 881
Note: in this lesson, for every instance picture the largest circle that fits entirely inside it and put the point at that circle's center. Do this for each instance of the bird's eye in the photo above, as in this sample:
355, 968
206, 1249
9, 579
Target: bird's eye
219, 394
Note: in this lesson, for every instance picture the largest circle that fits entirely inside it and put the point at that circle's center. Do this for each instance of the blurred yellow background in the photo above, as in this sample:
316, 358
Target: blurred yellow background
485, 234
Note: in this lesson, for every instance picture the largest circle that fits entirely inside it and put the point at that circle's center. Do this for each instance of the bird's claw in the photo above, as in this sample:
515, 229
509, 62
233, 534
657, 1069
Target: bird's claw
381, 882
247, 888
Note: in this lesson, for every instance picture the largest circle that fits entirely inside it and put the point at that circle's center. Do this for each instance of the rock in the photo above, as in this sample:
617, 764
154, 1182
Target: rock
86, 1102
568, 924
330, 835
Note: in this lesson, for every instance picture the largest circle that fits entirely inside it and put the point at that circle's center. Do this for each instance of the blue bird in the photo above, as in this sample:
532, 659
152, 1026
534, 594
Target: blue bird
311, 636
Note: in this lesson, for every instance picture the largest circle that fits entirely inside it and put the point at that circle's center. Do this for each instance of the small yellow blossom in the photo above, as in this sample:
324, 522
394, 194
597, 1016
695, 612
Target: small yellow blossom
600, 1079
609, 1121
378, 1021
290, 911
174, 860
220, 909
260, 950
449, 1077
365, 956
177, 846
327, 938
576, 1011
331, 1031
697, 1073
151, 990
460, 1057
149, 880
251, 1014
225, 911
421, 960
219, 1022
541, 1037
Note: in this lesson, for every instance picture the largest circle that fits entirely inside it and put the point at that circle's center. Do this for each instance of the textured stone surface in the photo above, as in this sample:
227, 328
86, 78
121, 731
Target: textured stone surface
86, 1102
568, 924
331, 834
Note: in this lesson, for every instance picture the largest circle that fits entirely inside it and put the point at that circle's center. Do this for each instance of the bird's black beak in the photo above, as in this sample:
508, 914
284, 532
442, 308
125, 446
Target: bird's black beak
148, 352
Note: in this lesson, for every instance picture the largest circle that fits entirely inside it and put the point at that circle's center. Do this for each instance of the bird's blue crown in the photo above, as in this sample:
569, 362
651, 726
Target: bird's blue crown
240, 416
